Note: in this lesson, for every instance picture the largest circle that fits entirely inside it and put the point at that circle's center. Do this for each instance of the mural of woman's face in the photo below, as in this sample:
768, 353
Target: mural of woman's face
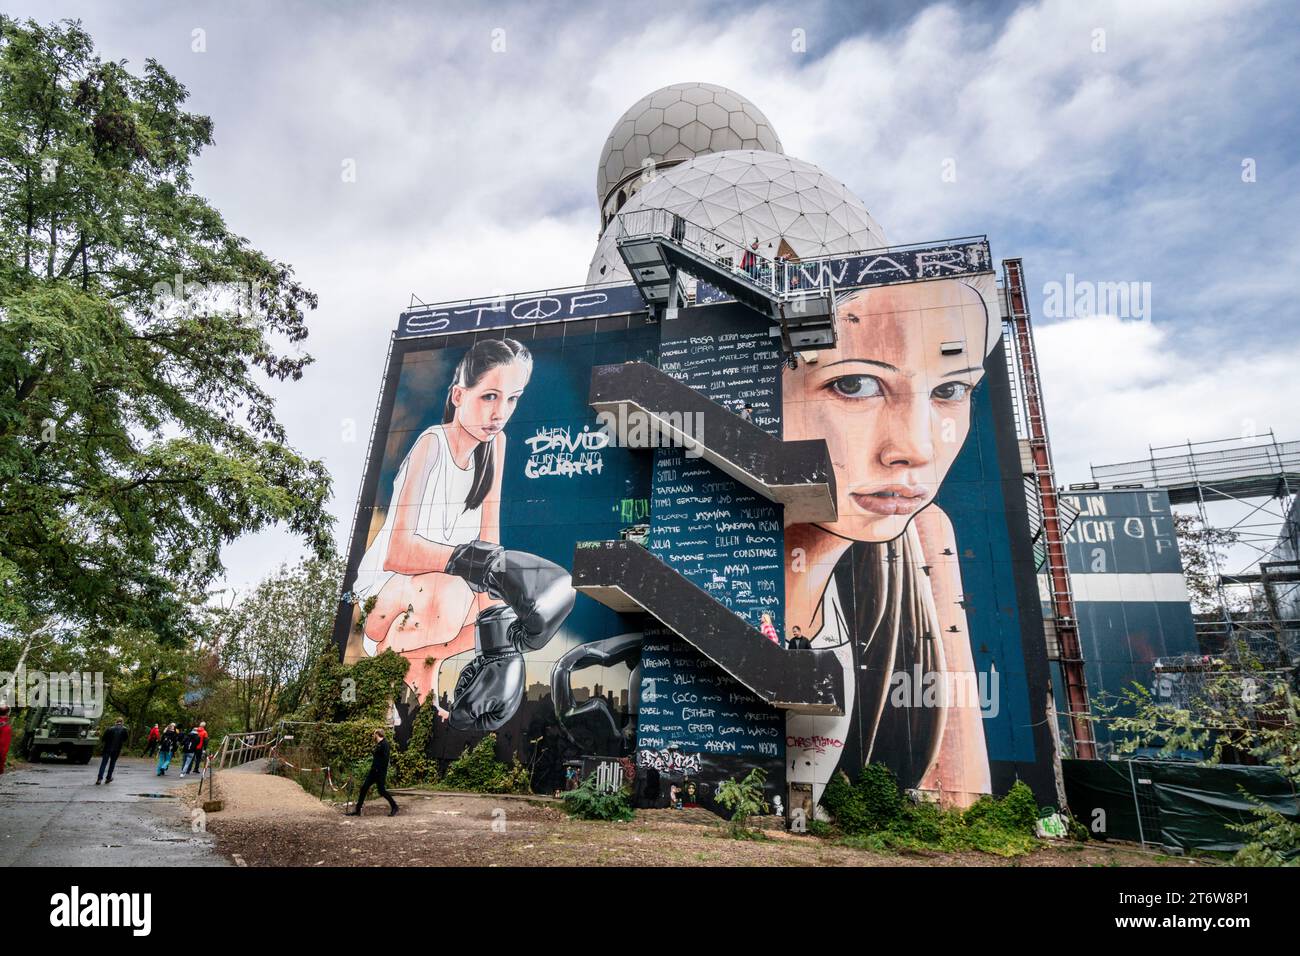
483, 408
893, 408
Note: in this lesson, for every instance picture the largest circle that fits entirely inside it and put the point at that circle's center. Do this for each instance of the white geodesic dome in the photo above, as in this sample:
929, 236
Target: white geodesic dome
743, 194
670, 126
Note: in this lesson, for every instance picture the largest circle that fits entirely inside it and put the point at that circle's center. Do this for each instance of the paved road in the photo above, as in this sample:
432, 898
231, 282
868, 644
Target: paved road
52, 814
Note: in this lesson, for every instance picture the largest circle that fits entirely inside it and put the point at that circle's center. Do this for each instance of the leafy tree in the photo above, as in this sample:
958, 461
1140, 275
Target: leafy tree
136, 334
144, 679
268, 641
1203, 550
1233, 705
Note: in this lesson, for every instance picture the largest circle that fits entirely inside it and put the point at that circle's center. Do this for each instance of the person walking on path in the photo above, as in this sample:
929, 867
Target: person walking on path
189, 747
6, 733
201, 750
113, 740
154, 734
166, 747
377, 775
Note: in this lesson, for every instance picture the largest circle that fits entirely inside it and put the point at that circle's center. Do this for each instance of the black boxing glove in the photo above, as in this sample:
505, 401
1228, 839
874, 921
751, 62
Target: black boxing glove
540, 592
594, 719
491, 687
474, 562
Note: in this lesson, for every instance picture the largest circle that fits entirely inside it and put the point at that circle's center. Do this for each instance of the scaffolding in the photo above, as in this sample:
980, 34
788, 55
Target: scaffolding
1256, 586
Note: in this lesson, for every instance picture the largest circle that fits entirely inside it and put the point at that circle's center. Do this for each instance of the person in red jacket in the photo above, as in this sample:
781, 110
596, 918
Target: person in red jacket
201, 751
6, 732
154, 735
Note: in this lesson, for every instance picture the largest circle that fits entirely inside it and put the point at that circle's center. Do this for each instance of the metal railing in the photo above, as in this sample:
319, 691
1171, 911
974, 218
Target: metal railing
1206, 462
776, 277
207, 776
779, 276
238, 749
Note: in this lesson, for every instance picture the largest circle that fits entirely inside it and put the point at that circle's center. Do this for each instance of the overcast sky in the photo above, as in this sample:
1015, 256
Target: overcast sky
1100, 140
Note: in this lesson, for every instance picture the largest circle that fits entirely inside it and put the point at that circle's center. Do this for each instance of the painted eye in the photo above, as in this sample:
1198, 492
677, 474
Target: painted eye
490, 396
856, 386
951, 391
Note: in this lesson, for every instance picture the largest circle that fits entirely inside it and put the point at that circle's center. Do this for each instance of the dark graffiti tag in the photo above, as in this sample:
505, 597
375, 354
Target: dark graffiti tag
668, 761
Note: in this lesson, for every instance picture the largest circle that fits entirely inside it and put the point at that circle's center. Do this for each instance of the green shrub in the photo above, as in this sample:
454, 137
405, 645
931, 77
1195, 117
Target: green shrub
337, 693
339, 746
411, 768
744, 799
586, 802
515, 779
874, 803
477, 770
882, 801
1275, 839
1078, 831
924, 822
845, 804
874, 815
1018, 810
818, 828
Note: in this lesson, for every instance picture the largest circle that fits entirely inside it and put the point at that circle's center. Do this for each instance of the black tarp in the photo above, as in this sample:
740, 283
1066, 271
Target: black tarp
1178, 805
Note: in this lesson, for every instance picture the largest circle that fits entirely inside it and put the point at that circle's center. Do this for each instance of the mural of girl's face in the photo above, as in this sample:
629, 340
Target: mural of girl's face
893, 408
483, 408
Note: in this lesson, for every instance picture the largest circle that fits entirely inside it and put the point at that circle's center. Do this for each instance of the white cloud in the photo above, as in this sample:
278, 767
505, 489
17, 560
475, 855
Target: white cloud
1113, 387
475, 171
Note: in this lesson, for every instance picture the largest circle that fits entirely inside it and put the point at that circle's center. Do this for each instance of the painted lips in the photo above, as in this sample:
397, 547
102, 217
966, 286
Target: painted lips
892, 500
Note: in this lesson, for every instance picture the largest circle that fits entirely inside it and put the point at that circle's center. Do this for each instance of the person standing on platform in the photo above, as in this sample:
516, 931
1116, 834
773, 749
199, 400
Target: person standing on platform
749, 261
769, 629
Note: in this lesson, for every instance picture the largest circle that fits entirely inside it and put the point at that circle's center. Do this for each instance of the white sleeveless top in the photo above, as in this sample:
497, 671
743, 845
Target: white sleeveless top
443, 517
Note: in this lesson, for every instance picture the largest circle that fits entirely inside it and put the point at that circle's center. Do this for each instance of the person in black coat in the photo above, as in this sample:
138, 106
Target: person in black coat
114, 740
190, 749
167, 744
376, 777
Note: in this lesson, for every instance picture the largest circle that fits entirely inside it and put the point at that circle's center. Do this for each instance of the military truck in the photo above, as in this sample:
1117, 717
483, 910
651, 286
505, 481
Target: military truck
64, 730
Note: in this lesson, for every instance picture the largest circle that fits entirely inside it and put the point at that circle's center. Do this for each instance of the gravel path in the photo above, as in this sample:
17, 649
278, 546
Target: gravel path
271, 821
